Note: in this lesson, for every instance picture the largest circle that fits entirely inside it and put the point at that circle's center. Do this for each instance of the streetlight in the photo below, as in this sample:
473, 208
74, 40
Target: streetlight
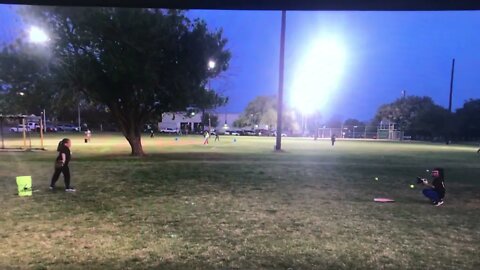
211, 64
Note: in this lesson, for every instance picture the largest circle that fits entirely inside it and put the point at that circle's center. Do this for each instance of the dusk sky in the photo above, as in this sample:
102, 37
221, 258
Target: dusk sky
383, 53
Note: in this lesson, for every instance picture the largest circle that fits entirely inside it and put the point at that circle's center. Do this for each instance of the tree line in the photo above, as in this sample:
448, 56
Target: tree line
418, 117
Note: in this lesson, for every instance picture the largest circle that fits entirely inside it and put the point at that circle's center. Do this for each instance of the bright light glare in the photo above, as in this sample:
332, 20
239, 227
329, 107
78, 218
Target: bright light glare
37, 35
211, 64
318, 75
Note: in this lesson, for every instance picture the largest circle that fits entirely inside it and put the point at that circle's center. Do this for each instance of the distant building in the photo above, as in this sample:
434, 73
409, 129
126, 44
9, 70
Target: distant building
182, 121
192, 122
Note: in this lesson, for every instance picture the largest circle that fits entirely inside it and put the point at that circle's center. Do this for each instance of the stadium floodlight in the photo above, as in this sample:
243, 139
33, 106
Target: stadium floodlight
318, 74
37, 35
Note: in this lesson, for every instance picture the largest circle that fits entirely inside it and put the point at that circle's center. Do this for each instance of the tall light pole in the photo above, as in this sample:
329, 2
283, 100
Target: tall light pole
211, 66
278, 145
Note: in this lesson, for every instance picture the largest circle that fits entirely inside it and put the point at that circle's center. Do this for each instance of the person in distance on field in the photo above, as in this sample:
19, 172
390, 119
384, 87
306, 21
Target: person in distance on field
206, 135
88, 135
333, 139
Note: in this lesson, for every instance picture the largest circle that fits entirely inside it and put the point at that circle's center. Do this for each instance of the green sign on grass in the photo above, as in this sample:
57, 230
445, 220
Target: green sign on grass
24, 184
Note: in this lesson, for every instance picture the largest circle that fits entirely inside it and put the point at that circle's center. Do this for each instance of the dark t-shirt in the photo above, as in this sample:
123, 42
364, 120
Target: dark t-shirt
439, 186
64, 150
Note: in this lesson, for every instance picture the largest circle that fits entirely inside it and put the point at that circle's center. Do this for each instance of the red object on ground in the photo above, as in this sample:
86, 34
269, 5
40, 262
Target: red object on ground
383, 200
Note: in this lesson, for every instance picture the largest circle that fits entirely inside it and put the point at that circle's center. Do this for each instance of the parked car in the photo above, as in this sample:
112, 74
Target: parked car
232, 132
262, 132
169, 130
67, 127
19, 128
249, 133
49, 128
33, 126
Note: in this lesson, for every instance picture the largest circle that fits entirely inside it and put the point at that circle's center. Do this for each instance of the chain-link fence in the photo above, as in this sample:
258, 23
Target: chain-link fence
360, 132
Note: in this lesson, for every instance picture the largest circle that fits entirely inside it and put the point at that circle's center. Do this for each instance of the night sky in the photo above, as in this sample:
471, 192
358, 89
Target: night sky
385, 53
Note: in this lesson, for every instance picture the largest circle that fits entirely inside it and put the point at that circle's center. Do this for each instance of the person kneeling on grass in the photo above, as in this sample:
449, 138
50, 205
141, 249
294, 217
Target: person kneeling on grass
436, 190
61, 165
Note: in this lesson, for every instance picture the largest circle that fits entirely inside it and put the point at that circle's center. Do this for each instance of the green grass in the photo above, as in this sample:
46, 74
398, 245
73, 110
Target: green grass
239, 205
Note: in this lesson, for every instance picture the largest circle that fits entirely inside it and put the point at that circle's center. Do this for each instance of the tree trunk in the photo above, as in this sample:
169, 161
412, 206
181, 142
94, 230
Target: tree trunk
135, 142
131, 129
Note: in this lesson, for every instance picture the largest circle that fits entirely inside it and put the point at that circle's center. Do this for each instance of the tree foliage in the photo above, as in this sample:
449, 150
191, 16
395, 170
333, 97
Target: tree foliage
137, 62
353, 122
417, 116
467, 120
27, 81
262, 112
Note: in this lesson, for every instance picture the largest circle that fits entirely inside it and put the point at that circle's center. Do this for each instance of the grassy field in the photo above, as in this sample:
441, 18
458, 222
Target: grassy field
238, 205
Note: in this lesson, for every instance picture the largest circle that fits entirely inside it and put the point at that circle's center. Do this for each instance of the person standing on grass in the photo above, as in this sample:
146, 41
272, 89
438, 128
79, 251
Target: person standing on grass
436, 190
88, 135
333, 139
206, 135
217, 137
61, 165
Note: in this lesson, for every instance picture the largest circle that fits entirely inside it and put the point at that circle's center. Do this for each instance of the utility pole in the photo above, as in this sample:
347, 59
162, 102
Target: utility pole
79, 120
451, 86
209, 123
449, 120
44, 121
278, 146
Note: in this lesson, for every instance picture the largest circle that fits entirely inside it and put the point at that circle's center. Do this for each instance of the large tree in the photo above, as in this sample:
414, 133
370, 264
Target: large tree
262, 111
353, 122
417, 116
137, 62
467, 120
